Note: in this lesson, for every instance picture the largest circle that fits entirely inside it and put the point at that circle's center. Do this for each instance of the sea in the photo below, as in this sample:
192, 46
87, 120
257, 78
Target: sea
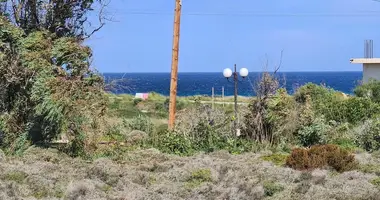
190, 84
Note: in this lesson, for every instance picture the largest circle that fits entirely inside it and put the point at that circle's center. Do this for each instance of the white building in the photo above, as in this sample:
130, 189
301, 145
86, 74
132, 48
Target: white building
371, 68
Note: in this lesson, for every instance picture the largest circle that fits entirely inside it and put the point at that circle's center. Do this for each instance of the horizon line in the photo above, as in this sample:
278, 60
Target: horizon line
222, 72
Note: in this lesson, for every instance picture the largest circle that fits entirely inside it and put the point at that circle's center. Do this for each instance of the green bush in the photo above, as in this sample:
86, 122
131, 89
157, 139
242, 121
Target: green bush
370, 168
346, 144
316, 133
46, 86
140, 122
324, 101
172, 143
357, 109
271, 119
376, 182
332, 106
271, 188
277, 159
316, 92
198, 177
370, 90
207, 140
282, 114
368, 135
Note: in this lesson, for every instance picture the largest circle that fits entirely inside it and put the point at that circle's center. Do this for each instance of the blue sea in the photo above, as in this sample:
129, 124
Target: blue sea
201, 83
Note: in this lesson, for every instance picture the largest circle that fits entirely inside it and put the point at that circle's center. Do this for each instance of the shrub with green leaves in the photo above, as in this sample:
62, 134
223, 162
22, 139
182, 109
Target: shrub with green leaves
324, 101
357, 109
173, 143
272, 118
140, 122
198, 177
316, 133
368, 135
315, 92
370, 90
47, 87
271, 188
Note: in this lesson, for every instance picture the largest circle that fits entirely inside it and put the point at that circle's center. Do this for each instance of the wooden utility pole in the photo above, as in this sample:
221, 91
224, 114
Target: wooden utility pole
223, 95
213, 96
174, 71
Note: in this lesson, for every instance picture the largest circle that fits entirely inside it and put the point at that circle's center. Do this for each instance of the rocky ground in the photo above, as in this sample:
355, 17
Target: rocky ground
149, 174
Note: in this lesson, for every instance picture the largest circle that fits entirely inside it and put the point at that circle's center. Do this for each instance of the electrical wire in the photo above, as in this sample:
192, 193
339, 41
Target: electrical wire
262, 14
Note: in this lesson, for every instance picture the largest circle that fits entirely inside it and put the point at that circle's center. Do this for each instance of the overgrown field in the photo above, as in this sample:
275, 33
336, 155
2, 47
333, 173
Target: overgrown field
149, 174
314, 144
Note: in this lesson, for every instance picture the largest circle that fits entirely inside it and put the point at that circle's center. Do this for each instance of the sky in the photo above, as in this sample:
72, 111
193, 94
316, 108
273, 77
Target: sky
314, 35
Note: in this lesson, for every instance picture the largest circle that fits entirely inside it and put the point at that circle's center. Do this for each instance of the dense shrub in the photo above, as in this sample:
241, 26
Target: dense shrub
47, 89
172, 143
319, 156
316, 133
368, 135
140, 122
201, 137
331, 105
370, 90
355, 109
316, 92
277, 158
272, 117
190, 120
271, 188
282, 114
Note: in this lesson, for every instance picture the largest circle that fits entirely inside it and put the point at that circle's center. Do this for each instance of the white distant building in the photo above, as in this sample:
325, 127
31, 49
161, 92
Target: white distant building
371, 68
371, 65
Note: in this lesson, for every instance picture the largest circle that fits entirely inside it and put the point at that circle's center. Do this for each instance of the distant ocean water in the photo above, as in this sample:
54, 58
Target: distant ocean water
201, 83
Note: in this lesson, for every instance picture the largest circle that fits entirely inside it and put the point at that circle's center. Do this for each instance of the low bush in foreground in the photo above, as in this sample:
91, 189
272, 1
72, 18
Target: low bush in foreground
320, 156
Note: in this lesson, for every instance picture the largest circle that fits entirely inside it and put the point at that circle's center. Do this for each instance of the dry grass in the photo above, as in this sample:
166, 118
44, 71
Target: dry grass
149, 174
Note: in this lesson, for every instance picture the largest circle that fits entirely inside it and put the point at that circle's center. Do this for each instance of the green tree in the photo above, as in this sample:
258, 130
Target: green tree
62, 17
47, 87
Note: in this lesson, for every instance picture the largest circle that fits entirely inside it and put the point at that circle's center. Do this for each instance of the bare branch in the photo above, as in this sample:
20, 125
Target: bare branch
279, 65
101, 18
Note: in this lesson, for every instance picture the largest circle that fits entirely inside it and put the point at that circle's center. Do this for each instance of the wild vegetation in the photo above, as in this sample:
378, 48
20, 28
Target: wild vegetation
313, 144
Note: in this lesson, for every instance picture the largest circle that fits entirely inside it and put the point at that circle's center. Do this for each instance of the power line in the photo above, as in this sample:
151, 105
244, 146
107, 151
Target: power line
358, 14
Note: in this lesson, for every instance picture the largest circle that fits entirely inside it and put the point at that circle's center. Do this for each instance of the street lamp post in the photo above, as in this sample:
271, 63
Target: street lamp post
227, 73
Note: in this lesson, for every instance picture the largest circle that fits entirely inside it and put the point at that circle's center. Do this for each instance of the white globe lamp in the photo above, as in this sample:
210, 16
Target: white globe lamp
227, 73
243, 72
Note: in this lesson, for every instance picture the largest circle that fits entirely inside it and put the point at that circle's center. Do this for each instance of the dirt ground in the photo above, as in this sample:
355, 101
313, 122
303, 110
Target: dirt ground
149, 174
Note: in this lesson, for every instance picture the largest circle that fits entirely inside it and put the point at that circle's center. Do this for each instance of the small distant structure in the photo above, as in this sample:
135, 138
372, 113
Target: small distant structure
371, 65
143, 96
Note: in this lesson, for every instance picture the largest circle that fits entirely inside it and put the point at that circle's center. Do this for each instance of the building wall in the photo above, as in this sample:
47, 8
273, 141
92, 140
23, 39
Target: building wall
371, 70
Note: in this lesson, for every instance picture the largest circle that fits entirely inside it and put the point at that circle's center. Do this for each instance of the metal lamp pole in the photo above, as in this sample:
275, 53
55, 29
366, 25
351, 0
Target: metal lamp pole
227, 73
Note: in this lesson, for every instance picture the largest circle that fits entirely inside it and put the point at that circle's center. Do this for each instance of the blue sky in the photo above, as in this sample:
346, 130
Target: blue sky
316, 37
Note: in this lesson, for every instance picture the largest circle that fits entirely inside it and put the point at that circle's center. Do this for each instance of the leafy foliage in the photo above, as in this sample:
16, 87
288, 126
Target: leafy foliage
370, 90
277, 158
368, 135
259, 124
271, 188
63, 18
48, 88
198, 177
316, 133
171, 142
140, 122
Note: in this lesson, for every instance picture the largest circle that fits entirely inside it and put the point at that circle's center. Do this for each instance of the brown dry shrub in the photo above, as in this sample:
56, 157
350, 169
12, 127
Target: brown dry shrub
320, 156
